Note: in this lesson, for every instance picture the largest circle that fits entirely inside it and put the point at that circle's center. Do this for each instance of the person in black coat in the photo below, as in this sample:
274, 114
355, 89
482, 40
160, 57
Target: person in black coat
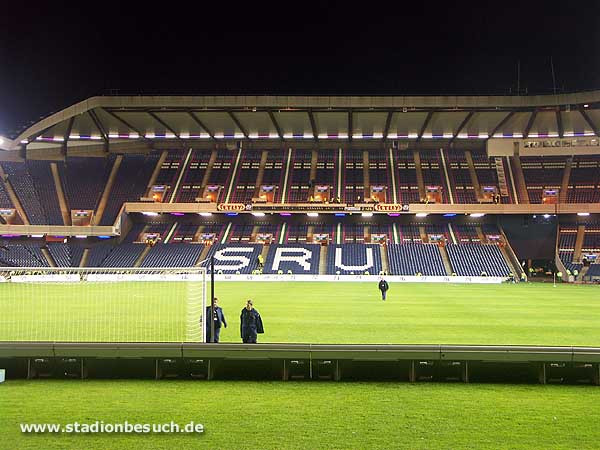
383, 287
250, 324
218, 319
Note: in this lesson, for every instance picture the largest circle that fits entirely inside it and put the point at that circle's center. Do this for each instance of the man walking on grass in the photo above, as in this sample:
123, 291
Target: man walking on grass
383, 287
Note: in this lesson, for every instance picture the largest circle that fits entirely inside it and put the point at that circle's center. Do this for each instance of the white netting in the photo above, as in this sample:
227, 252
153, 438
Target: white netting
102, 304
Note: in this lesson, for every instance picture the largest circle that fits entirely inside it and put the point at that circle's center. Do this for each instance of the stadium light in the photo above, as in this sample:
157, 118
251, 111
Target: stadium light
583, 214
205, 214
367, 214
37, 235
421, 215
258, 214
81, 236
150, 213
477, 214
312, 214
1, 140
546, 216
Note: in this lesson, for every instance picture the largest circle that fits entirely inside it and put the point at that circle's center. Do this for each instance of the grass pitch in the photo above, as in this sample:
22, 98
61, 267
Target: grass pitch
276, 415
533, 314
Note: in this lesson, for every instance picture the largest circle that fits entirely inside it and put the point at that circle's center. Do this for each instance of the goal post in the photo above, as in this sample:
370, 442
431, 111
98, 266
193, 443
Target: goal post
103, 304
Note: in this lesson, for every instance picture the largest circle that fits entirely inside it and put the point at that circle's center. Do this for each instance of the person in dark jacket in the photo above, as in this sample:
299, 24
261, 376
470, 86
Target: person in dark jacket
383, 287
250, 324
218, 319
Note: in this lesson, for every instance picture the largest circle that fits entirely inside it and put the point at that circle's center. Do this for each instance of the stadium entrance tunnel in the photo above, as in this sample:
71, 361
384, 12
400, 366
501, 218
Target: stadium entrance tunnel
402, 363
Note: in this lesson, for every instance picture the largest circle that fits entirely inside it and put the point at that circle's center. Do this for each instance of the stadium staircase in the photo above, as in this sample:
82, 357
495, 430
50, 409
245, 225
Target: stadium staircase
450, 188
419, 173
13, 196
385, 267
155, 172
445, 259
211, 163
64, 209
366, 174
519, 179
107, 189
564, 187
501, 175
140, 259
261, 171
473, 173
48, 257
579, 242
582, 273
323, 260
510, 256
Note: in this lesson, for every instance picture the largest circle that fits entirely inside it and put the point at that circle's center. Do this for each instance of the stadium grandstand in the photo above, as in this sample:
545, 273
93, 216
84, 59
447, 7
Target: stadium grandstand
426, 186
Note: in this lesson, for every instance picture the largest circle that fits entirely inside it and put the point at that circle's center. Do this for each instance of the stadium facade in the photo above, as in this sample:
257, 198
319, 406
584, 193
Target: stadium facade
432, 186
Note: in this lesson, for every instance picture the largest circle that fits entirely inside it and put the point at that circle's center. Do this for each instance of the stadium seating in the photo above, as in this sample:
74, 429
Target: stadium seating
353, 259
460, 177
232, 258
433, 172
584, 180
130, 183
542, 173
221, 172
299, 259
169, 171
34, 185
298, 190
4, 198
83, 180
244, 186
413, 258
353, 176
191, 183
21, 254
406, 179
476, 259
173, 255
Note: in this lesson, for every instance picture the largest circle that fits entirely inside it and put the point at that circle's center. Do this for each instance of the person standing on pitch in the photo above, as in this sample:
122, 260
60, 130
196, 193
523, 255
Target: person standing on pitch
218, 318
250, 324
383, 287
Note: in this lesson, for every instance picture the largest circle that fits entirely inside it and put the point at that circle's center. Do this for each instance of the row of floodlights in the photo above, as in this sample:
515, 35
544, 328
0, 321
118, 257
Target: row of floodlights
311, 136
314, 214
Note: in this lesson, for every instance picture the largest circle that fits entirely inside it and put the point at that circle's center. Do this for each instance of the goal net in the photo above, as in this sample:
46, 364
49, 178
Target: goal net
102, 304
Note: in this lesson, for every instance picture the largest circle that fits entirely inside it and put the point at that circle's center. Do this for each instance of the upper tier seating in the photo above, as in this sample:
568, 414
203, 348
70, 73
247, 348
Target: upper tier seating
542, 172
433, 171
406, 179
34, 185
191, 183
353, 176
83, 181
244, 187
299, 176
460, 177
584, 182
222, 171
130, 183
169, 171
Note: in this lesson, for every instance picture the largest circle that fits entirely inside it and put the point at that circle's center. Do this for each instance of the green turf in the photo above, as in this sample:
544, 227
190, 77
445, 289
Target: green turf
277, 415
311, 312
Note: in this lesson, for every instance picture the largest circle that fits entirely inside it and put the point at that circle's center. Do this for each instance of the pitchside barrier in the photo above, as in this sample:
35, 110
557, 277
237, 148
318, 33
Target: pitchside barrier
458, 363
362, 278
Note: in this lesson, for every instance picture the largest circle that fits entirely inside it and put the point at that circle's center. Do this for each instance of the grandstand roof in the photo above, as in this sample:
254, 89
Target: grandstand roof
469, 120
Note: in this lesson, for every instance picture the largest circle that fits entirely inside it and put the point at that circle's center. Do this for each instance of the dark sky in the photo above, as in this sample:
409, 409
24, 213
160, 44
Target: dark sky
52, 57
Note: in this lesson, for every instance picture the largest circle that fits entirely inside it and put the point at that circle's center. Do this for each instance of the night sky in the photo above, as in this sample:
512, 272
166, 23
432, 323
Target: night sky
52, 57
